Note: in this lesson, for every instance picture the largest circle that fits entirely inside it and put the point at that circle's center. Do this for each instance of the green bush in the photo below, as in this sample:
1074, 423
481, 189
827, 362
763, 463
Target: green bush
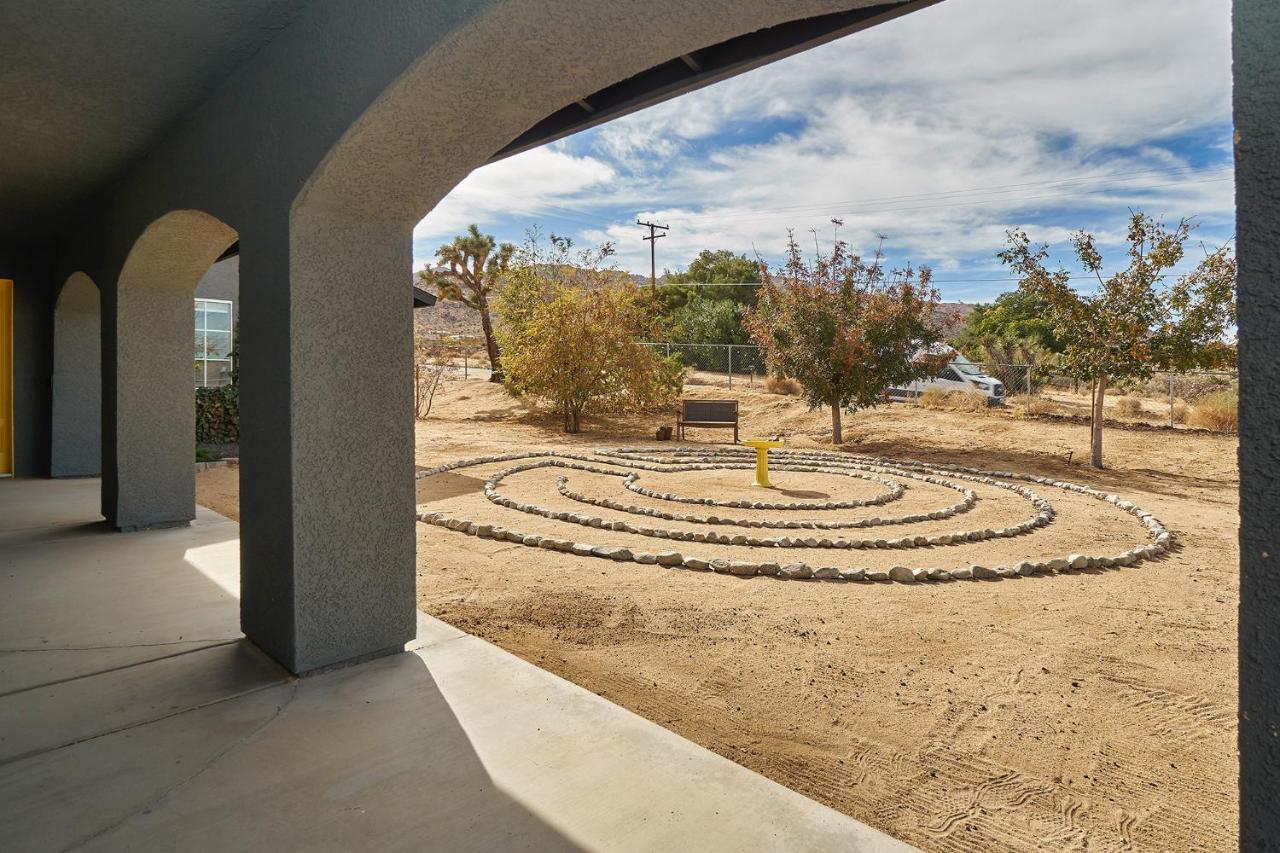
218, 415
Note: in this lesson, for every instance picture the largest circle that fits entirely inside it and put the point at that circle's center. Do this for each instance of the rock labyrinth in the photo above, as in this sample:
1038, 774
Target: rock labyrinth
800, 534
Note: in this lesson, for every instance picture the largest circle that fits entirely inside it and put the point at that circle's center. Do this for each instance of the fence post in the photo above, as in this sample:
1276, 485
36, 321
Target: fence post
668, 350
1028, 390
731, 365
1170, 399
464, 365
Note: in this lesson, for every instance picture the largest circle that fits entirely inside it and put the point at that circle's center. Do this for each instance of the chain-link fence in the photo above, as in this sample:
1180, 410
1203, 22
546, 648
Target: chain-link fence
1171, 399
1195, 398
741, 363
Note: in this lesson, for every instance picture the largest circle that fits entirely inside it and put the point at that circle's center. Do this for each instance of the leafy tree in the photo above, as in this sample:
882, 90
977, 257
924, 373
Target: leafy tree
1142, 319
698, 311
845, 329
474, 265
571, 335
719, 266
707, 321
1013, 329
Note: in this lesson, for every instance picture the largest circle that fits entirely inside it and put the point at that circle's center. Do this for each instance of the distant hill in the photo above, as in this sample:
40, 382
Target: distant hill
951, 317
453, 319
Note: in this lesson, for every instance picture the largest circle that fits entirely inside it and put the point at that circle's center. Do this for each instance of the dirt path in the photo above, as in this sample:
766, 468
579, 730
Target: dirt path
1089, 711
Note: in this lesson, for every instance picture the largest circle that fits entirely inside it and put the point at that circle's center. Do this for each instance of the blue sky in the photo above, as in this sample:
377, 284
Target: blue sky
939, 130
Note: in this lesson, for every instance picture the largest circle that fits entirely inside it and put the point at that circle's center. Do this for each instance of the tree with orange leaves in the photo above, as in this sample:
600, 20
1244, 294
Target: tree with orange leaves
846, 329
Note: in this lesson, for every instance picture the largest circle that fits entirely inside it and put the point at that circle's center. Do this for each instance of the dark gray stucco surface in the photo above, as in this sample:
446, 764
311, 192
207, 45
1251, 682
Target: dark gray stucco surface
1257, 120
76, 387
153, 448
87, 87
30, 269
222, 281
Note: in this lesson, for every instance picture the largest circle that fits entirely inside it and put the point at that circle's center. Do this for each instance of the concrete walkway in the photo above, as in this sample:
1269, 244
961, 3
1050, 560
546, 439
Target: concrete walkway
133, 716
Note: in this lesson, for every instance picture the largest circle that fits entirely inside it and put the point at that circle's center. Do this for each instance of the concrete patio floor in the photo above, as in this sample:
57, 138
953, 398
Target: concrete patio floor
134, 716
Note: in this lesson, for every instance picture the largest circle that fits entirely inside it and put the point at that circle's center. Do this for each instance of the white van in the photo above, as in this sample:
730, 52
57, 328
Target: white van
960, 374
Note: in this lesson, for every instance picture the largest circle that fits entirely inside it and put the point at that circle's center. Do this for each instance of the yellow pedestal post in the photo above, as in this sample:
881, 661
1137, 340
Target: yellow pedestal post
762, 446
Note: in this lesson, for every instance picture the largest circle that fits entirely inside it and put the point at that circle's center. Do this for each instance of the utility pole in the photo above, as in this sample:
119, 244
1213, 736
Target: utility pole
653, 257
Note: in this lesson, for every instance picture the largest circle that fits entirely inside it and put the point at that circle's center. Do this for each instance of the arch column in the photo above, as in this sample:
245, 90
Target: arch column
75, 446
326, 441
149, 419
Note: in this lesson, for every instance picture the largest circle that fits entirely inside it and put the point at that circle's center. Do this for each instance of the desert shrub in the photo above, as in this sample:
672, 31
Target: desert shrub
1180, 412
1130, 407
966, 401
783, 385
1040, 406
932, 398
579, 347
218, 415
1217, 411
952, 401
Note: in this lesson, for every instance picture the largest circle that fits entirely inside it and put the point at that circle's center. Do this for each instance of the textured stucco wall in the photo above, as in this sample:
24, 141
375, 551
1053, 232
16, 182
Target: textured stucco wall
222, 281
76, 415
1257, 121
31, 269
153, 453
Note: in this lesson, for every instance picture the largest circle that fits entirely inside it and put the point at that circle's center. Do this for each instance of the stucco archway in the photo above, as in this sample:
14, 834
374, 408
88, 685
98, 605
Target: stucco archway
327, 516
75, 444
149, 392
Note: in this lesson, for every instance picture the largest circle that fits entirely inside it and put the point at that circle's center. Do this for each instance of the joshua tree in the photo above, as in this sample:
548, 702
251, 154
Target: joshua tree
473, 264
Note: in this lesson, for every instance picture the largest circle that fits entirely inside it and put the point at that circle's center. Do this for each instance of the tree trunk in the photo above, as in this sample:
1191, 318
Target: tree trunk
491, 344
1095, 438
570, 419
837, 434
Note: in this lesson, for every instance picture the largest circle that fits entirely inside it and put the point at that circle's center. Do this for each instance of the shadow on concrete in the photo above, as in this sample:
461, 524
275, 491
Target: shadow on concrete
79, 599
367, 758
134, 715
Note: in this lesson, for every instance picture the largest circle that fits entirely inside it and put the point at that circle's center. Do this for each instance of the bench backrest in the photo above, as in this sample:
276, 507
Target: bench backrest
709, 411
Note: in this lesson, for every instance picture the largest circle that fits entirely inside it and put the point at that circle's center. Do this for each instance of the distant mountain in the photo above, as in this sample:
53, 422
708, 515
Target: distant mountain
951, 317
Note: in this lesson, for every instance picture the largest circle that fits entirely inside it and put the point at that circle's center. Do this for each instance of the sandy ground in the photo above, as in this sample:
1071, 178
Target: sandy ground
219, 490
1089, 711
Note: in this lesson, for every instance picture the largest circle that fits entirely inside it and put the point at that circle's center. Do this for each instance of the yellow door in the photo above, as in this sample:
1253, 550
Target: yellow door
6, 378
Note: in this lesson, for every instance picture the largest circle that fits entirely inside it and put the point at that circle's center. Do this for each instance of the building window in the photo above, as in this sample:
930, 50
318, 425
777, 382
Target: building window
213, 342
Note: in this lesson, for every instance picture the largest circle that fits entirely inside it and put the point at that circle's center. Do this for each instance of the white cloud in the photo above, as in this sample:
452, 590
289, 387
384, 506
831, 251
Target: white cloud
940, 129
534, 183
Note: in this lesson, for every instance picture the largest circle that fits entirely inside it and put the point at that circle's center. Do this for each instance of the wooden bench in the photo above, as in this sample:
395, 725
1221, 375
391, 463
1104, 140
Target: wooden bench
722, 414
